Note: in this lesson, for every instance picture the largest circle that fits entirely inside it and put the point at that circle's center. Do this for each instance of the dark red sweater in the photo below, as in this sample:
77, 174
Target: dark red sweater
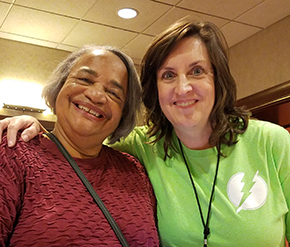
44, 203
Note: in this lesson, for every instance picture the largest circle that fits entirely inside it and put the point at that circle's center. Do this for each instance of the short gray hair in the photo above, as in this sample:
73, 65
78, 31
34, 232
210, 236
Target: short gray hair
133, 98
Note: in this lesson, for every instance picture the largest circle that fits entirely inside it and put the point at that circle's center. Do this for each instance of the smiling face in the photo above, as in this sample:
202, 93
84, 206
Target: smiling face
185, 85
91, 101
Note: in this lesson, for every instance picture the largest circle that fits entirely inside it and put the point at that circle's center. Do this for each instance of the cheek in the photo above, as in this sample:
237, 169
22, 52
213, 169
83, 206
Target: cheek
59, 97
212, 90
62, 96
209, 93
65, 93
71, 89
160, 96
165, 99
163, 91
117, 110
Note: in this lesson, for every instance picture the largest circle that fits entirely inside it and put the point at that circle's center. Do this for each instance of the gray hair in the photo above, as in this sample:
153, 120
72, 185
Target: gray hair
133, 98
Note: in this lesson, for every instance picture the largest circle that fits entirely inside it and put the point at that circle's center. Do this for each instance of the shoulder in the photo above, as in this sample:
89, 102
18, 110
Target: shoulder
267, 136
120, 156
14, 162
264, 136
265, 125
20, 144
125, 162
139, 132
24, 154
266, 129
136, 139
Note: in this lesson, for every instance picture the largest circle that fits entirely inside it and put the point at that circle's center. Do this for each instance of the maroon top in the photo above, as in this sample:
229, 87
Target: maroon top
44, 203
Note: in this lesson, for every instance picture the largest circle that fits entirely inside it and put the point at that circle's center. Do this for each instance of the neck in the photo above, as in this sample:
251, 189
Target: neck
78, 146
195, 139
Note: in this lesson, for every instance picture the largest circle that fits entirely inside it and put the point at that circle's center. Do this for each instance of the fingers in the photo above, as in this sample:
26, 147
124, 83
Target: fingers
14, 124
31, 131
11, 134
3, 125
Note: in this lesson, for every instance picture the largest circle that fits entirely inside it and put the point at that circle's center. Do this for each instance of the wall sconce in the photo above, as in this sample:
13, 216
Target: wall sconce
22, 108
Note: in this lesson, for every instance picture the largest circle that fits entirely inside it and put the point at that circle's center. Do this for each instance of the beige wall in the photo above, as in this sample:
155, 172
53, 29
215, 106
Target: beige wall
31, 63
263, 60
257, 63
27, 62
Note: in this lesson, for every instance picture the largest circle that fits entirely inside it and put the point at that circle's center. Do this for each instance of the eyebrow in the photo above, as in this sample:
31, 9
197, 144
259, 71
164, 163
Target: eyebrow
94, 73
195, 63
191, 65
87, 70
117, 84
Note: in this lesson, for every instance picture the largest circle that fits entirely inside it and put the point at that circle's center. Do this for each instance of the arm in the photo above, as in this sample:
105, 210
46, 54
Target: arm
133, 143
30, 125
281, 155
12, 186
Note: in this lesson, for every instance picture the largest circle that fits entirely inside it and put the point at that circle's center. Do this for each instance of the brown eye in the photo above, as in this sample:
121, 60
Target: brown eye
114, 94
86, 80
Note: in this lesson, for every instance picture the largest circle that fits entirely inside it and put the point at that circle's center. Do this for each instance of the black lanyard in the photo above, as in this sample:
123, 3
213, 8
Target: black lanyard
91, 190
206, 230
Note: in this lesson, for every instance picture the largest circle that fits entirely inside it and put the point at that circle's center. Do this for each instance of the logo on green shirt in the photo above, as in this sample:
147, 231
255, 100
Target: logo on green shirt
247, 193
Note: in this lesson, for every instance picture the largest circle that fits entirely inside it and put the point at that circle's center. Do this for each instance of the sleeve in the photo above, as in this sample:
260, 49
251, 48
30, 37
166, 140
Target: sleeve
11, 191
134, 143
281, 152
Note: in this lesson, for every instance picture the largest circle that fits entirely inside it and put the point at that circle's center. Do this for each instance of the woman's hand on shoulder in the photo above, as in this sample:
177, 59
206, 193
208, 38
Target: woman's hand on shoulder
30, 126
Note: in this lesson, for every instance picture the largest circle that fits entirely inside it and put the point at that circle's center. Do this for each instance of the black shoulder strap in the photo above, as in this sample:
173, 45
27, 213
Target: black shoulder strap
90, 188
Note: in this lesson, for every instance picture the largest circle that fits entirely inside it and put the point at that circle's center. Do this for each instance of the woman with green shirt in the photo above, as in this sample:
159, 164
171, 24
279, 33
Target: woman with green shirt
220, 179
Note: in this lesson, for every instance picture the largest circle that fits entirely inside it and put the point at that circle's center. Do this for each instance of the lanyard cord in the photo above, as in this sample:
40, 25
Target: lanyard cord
206, 230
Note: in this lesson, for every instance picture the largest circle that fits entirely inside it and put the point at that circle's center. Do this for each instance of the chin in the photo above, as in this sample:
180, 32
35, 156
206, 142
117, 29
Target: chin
184, 125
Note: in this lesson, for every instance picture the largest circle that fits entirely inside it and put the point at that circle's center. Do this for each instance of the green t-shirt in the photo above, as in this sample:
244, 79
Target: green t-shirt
252, 194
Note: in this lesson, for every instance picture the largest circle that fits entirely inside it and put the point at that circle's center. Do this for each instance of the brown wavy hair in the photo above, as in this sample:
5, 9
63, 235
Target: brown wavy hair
226, 120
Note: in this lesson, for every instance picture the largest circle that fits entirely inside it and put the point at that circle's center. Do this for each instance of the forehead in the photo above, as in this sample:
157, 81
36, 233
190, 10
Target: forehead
189, 47
100, 59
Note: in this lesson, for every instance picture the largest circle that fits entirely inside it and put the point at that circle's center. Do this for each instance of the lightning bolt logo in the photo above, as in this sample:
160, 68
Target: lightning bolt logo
246, 190
245, 193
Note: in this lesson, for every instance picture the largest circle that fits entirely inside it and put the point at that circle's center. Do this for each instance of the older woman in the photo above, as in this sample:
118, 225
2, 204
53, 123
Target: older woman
219, 178
95, 95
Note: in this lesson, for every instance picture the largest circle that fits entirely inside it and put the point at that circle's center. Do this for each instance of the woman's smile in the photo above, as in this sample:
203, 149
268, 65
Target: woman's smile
185, 103
90, 111
186, 85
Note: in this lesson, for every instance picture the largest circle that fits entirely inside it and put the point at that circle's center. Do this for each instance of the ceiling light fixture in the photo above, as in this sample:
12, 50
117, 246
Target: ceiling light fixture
127, 13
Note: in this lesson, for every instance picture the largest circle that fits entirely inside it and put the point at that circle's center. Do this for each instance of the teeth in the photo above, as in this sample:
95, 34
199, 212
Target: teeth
94, 113
185, 103
84, 108
89, 111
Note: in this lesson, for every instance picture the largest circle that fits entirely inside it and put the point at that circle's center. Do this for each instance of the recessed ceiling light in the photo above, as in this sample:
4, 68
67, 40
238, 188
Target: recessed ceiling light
127, 13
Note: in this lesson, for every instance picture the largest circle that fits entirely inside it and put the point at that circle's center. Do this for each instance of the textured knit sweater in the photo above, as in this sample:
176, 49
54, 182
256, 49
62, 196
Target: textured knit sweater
44, 203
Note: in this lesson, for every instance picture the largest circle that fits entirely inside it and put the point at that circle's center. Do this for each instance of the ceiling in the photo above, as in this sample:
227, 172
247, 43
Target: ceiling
69, 24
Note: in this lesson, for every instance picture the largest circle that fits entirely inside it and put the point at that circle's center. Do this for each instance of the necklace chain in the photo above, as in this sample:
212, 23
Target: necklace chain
206, 230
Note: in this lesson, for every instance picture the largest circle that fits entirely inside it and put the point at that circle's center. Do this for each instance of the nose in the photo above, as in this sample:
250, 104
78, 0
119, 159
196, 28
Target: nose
96, 93
182, 86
